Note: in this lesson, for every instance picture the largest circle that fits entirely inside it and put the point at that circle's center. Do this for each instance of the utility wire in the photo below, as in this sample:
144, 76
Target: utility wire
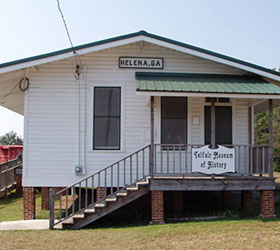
65, 25
77, 58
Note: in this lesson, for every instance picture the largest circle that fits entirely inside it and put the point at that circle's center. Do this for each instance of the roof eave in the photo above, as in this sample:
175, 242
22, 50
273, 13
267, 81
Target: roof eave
136, 37
207, 94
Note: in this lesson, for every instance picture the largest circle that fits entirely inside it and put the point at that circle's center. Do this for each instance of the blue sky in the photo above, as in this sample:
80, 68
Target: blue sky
244, 29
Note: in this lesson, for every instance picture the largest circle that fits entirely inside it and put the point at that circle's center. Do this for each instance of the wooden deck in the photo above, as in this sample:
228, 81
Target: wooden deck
217, 183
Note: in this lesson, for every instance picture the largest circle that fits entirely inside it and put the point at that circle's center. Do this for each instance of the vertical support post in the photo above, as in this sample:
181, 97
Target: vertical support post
250, 125
152, 137
157, 201
250, 140
51, 207
29, 203
270, 110
267, 204
213, 123
45, 198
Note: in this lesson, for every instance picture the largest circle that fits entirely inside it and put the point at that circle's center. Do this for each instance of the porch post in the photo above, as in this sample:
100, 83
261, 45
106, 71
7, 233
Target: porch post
213, 123
152, 138
270, 110
250, 125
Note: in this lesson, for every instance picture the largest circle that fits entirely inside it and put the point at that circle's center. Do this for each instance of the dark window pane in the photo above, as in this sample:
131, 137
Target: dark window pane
107, 101
107, 133
208, 99
220, 99
223, 122
174, 107
173, 131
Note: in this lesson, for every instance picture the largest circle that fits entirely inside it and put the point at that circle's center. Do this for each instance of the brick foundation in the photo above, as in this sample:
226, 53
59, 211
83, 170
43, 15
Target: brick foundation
157, 201
45, 198
29, 205
101, 193
19, 190
247, 201
267, 204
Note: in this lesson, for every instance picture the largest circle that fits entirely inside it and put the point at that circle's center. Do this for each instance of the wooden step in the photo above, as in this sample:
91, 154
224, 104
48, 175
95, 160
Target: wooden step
111, 198
142, 183
78, 216
89, 211
68, 221
122, 193
102, 208
132, 188
100, 204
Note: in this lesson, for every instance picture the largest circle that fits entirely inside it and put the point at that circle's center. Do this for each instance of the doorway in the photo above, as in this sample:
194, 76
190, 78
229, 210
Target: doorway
223, 121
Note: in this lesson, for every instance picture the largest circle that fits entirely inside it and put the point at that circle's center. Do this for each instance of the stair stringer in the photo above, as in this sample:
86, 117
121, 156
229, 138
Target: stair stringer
78, 223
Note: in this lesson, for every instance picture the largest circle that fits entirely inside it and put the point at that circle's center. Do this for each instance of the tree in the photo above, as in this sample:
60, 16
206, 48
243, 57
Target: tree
262, 133
11, 138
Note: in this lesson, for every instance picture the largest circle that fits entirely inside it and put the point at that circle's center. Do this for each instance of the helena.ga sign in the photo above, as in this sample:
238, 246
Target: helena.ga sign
141, 62
213, 161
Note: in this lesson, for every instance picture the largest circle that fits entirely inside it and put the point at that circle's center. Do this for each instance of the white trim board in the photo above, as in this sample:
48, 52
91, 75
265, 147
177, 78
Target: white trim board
139, 38
226, 95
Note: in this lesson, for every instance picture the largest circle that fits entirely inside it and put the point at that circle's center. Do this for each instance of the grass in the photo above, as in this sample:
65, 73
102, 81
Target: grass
228, 234
12, 208
231, 233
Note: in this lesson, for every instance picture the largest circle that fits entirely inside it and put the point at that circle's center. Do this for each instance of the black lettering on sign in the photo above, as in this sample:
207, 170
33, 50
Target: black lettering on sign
141, 62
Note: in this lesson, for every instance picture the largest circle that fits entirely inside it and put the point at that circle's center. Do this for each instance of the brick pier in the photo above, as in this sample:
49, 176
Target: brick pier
267, 204
29, 204
157, 201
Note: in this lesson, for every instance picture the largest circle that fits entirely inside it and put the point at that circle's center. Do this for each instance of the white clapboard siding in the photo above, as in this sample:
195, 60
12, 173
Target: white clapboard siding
58, 126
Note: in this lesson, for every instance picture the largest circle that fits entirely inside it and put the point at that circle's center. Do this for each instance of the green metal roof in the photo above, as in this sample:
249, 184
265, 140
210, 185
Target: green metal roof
204, 83
143, 33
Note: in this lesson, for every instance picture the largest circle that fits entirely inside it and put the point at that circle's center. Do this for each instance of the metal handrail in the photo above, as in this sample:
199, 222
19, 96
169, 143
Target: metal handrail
250, 159
112, 179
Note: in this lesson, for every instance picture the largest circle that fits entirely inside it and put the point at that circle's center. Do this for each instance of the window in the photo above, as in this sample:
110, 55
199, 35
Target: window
106, 119
173, 120
220, 99
223, 123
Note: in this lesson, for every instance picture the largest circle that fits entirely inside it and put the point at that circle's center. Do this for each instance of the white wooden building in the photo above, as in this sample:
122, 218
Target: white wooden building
86, 110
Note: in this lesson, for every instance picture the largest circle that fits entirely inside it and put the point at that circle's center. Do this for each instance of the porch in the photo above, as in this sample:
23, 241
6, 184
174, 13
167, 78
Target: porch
171, 162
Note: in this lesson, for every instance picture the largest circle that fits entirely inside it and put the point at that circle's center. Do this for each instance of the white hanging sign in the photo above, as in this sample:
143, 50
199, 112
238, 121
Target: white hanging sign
141, 62
213, 161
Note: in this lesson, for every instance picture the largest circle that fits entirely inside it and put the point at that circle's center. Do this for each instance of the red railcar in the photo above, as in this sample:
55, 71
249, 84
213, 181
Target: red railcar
10, 152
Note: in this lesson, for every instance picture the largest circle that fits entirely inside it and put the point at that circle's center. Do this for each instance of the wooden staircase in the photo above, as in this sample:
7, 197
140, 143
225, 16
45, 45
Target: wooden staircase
82, 204
105, 207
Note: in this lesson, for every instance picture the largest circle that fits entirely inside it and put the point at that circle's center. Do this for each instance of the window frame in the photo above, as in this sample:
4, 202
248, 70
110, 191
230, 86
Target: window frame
119, 117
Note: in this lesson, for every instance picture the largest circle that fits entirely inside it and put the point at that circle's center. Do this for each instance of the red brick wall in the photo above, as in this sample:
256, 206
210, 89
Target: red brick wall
157, 201
267, 204
45, 198
29, 204
101, 193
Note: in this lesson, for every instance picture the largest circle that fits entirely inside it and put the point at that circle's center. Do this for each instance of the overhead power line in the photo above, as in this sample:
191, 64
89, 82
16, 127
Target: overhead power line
77, 71
65, 25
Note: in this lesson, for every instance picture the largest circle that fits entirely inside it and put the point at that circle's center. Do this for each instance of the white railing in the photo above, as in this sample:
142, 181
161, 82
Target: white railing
176, 159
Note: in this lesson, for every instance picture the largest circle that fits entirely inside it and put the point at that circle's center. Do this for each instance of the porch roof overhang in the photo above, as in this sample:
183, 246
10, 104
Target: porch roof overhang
201, 85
